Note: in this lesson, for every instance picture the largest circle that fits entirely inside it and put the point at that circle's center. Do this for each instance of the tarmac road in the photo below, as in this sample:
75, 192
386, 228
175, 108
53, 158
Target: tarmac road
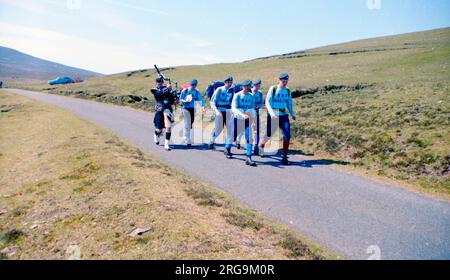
350, 214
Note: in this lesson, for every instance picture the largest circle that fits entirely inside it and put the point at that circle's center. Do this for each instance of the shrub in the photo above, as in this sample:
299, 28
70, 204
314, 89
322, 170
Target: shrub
331, 145
382, 145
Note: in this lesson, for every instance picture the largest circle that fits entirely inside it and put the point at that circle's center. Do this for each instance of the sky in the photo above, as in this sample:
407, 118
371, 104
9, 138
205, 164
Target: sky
112, 36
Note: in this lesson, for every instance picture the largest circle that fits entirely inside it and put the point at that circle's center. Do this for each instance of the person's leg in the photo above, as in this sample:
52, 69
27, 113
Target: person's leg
256, 133
187, 125
238, 135
192, 113
235, 129
238, 131
190, 125
158, 122
218, 127
285, 126
267, 135
248, 138
168, 120
229, 122
232, 132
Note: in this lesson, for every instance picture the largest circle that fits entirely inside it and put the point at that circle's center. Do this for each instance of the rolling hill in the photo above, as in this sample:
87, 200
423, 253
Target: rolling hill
381, 104
15, 64
387, 60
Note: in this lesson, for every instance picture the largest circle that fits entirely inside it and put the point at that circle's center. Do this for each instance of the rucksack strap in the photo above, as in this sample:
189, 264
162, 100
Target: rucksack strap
274, 91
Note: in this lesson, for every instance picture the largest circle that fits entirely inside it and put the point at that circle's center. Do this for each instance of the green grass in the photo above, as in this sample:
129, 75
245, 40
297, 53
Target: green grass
390, 118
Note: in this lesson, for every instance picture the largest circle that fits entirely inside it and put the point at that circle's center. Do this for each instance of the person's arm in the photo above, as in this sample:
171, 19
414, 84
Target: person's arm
252, 112
234, 108
268, 102
157, 92
201, 100
253, 103
260, 104
183, 96
291, 110
214, 100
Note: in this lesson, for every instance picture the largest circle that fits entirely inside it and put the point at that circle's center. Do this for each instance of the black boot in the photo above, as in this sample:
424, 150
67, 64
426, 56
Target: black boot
250, 162
238, 146
211, 146
228, 153
285, 161
256, 151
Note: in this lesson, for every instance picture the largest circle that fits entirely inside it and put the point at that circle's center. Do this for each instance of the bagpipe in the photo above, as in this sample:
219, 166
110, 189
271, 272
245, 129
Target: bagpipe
175, 92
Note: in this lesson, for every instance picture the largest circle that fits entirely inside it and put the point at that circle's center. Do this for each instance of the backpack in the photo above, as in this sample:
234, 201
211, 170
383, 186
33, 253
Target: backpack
274, 90
237, 88
186, 87
212, 88
183, 87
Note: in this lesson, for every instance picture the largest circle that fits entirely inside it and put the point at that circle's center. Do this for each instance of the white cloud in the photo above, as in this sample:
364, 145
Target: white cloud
138, 8
92, 55
31, 7
116, 22
191, 41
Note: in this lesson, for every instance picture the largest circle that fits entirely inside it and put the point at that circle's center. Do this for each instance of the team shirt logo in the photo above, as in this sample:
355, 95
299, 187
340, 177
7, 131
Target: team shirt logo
280, 99
224, 97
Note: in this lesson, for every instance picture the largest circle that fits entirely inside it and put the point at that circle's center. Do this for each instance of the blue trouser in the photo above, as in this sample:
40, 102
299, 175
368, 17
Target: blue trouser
247, 131
285, 127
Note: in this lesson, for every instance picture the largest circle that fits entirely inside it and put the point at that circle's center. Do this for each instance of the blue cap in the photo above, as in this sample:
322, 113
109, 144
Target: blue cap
160, 80
194, 82
284, 76
246, 83
257, 82
229, 78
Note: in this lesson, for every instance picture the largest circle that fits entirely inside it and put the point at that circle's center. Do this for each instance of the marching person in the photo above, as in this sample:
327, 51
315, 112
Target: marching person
259, 104
164, 118
279, 106
221, 104
188, 98
243, 108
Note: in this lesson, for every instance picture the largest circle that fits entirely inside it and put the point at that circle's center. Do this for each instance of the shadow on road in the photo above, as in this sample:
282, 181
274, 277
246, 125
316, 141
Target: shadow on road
274, 160
193, 147
319, 162
300, 153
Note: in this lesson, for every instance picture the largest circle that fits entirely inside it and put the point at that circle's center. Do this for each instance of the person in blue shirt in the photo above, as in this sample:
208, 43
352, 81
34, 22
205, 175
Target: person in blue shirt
259, 104
279, 106
221, 104
188, 98
243, 108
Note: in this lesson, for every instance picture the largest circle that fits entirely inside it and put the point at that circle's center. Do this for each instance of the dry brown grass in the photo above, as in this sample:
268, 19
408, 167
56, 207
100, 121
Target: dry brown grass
66, 182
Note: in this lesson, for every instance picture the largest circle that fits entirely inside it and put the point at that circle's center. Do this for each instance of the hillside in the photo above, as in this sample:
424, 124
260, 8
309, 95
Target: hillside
380, 104
387, 60
15, 64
